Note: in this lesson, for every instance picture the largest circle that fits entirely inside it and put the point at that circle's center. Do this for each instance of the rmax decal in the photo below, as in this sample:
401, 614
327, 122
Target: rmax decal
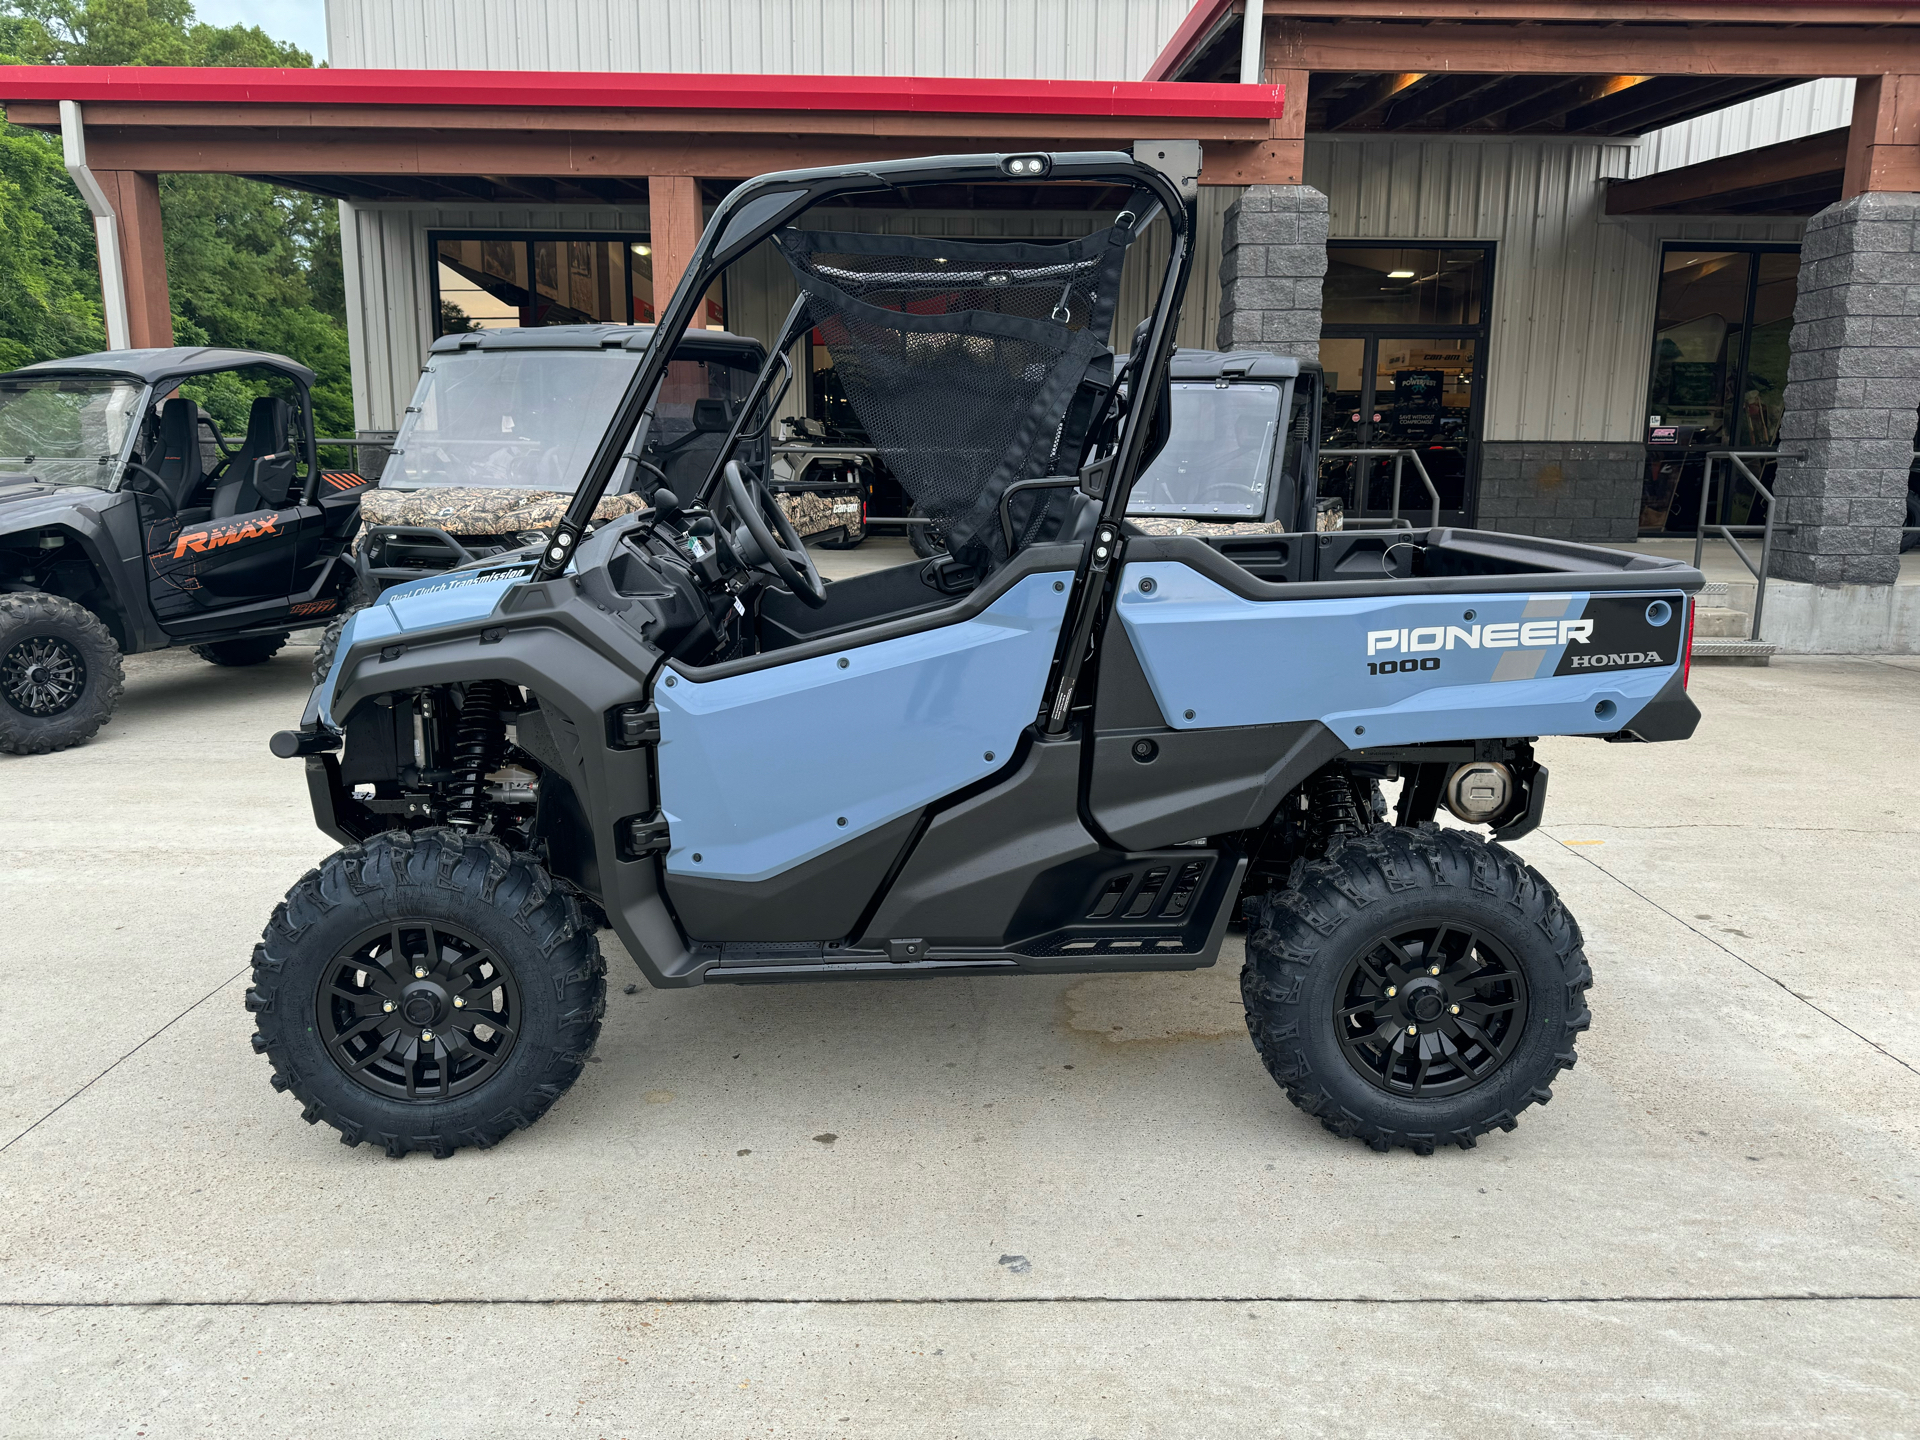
200, 541
1500, 635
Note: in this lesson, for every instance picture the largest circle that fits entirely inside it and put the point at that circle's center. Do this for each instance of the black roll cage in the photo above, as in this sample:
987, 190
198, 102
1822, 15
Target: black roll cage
754, 211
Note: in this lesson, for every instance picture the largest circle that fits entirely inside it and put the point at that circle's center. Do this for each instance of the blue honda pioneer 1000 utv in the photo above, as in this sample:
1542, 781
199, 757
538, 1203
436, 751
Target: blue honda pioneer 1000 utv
1084, 747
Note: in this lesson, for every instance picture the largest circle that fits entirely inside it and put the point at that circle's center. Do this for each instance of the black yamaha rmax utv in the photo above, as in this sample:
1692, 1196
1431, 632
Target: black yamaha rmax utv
154, 498
503, 422
1083, 748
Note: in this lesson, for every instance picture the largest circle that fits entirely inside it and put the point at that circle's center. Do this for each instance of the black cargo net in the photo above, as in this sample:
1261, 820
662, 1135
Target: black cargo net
961, 358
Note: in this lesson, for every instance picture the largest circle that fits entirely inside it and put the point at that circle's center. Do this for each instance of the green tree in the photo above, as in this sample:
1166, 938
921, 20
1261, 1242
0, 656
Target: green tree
249, 265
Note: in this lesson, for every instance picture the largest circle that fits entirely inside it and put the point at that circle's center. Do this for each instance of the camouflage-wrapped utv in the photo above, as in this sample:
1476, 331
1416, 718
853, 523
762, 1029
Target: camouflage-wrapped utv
502, 426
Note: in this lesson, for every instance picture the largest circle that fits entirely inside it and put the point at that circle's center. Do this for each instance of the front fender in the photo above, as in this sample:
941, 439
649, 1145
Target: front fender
582, 664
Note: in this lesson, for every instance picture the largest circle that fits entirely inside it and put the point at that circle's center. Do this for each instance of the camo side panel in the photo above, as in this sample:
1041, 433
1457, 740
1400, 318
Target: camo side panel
1181, 525
483, 510
812, 513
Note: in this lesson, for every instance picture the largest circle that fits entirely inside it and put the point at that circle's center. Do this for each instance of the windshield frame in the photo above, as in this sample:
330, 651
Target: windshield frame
1274, 471
132, 420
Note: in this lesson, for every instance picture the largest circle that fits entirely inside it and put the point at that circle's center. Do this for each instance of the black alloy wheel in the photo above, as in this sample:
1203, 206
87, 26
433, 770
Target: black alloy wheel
418, 1011
43, 675
60, 673
1415, 987
427, 990
1430, 1010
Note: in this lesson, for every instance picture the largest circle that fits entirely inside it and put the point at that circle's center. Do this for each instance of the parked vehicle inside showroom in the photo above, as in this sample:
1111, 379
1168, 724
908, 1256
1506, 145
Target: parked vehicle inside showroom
155, 498
1083, 747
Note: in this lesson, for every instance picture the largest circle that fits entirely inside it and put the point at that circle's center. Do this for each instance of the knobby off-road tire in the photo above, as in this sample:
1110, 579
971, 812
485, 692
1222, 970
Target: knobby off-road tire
323, 656
353, 938
1494, 1026
60, 673
250, 650
362, 593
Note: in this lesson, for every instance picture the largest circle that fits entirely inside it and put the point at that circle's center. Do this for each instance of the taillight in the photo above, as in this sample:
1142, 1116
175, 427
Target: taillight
1687, 644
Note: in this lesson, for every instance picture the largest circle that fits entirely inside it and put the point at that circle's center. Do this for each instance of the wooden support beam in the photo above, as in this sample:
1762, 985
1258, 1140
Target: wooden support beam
674, 224
1557, 104
1517, 49
1745, 181
1883, 137
1504, 95
1411, 109
1345, 110
135, 197
1664, 100
1596, 12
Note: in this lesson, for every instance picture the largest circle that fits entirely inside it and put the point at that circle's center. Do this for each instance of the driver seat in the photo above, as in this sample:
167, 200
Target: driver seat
176, 454
267, 426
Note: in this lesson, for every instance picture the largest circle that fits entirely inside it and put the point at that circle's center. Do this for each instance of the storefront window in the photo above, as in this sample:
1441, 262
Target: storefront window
486, 282
1368, 285
1716, 376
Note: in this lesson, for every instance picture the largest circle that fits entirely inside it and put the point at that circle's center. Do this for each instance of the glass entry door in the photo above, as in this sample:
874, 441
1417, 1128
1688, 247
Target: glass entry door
1403, 347
1716, 378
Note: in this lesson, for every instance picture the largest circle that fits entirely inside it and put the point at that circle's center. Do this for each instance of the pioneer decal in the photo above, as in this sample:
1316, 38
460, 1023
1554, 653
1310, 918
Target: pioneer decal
212, 538
1498, 636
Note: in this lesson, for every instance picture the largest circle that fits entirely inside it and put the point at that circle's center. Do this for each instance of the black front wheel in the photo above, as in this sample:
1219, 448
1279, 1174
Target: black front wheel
427, 992
60, 673
929, 540
1415, 988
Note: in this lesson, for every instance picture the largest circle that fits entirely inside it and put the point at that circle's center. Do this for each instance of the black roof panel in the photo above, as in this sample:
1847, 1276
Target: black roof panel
591, 337
153, 366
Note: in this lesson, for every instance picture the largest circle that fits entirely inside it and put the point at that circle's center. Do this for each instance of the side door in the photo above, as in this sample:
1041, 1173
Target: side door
238, 565
790, 782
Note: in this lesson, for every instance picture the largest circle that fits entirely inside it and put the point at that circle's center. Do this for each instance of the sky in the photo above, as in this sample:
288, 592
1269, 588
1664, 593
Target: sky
299, 22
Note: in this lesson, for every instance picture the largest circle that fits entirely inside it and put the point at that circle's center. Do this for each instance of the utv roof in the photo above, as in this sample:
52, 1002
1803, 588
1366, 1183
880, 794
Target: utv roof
1248, 364
594, 337
154, 366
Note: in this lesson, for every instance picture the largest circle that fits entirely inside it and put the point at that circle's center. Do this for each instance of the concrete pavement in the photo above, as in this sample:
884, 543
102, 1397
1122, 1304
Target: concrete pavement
1037, 1206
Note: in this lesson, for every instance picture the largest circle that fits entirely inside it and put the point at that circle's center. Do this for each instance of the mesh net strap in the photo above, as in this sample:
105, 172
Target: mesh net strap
961, 358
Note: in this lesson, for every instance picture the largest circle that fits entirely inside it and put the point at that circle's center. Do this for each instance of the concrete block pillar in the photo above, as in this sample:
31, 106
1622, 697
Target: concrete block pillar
1850, 405
1273, 259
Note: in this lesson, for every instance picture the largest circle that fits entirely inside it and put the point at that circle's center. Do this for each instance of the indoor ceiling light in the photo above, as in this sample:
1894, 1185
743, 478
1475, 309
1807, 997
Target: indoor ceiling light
643, 250
1400, 275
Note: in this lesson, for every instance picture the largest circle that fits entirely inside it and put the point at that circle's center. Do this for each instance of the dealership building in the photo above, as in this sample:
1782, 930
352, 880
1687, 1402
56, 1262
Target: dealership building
1565, 250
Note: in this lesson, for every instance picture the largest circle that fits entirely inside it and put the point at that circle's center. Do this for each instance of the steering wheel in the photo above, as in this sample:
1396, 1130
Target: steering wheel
787, 557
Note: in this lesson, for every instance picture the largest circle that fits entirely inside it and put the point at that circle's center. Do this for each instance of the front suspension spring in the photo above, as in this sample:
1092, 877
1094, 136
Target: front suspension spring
479, 740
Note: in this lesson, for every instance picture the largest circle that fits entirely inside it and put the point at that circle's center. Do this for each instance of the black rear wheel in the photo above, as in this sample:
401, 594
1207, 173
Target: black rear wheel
427, 992
250, 650
1415, 987
60, 673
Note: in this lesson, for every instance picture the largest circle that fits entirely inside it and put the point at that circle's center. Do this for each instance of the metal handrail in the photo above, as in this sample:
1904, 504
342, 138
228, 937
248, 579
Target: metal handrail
1401, 456
1737, 460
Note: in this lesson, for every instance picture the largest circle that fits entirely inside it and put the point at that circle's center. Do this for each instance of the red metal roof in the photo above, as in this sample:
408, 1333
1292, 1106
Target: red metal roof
626, 91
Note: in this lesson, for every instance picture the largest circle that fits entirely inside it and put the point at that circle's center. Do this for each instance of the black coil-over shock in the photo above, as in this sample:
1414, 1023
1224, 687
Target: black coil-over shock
479, 740
1335, 809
